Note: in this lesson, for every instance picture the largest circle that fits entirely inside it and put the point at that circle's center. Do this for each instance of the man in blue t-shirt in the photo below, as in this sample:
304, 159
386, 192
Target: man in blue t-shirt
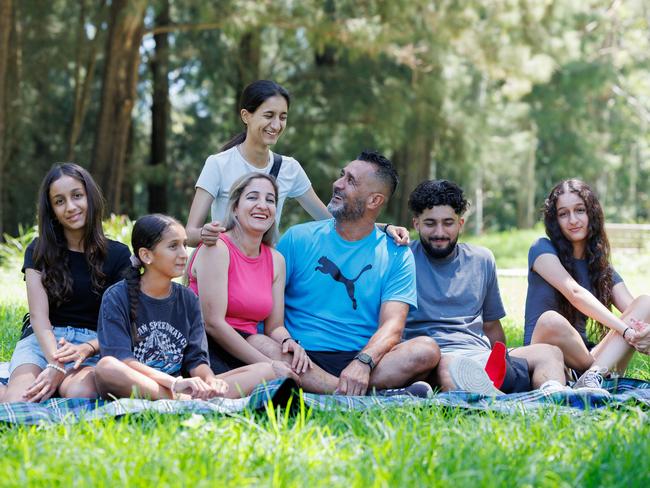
459, 304
349, 288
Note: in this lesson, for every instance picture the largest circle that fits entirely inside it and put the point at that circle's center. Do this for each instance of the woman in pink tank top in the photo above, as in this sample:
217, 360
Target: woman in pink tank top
240, 282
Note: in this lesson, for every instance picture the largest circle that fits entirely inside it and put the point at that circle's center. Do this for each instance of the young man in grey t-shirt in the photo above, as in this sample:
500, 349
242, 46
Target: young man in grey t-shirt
459, 304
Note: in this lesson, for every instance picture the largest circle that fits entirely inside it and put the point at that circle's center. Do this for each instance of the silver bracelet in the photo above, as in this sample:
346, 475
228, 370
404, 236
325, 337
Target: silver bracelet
56, 367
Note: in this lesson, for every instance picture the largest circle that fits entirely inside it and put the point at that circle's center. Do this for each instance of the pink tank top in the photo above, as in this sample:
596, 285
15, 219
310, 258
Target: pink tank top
250, 284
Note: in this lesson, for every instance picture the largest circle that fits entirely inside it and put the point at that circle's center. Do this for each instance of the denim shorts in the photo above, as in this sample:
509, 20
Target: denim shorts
28, 350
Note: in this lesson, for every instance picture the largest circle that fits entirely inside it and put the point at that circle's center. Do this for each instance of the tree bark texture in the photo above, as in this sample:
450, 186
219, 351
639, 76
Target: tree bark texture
84, 73
157, 186
122, 57
6, 17
248, 65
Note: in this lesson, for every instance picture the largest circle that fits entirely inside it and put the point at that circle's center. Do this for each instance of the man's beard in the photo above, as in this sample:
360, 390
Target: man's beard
439, 253
348, 211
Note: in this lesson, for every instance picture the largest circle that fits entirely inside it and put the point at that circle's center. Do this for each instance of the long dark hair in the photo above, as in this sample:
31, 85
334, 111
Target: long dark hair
251, 98
597, 251
147, 232
50, 253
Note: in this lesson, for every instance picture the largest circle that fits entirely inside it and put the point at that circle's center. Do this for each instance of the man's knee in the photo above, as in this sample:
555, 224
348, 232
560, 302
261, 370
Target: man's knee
537, 354
265, 345
423, 352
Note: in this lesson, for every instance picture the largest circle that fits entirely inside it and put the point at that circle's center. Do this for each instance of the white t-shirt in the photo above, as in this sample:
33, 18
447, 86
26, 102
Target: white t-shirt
221, 170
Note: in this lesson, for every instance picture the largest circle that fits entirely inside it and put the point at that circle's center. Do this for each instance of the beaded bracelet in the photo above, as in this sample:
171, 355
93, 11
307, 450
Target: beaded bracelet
56, 367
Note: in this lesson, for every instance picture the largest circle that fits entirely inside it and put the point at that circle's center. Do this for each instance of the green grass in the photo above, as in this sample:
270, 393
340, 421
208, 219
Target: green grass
397, 447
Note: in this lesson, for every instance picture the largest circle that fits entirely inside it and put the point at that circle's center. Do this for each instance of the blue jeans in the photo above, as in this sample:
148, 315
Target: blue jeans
28, 350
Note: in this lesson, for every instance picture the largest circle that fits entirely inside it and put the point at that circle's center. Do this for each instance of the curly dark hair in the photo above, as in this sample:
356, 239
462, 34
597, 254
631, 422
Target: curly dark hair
434, 193
51, 251
597, 252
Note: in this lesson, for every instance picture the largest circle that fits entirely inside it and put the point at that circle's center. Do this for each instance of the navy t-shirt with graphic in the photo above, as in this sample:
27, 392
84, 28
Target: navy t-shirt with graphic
171, 330
541, 296
335, 288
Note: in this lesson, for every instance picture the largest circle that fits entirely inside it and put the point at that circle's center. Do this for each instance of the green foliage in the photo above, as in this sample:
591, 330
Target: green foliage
396, 447
118, 228
504, 99
13, 248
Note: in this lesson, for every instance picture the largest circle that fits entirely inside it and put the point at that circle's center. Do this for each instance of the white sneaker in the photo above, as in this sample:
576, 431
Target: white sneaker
468, 375
592, 381
553, 386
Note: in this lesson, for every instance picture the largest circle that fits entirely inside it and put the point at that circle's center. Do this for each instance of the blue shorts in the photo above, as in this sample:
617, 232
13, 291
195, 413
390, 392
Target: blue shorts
28, 350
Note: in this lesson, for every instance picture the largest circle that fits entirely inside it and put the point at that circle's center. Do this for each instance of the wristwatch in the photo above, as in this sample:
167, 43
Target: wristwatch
365, 359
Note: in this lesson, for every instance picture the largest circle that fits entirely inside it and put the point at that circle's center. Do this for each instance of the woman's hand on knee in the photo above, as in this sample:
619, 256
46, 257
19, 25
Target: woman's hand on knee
300, 362
44, 386
640, 339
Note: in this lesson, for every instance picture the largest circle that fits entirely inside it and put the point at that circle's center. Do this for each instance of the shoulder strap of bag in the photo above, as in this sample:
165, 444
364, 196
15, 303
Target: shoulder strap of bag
277, 162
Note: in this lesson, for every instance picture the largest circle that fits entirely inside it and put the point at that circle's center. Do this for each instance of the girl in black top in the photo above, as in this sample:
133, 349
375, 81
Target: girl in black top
67, 268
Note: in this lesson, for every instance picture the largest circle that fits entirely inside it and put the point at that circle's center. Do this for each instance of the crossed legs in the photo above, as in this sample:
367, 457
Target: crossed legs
406, 362
75, 384
116, 378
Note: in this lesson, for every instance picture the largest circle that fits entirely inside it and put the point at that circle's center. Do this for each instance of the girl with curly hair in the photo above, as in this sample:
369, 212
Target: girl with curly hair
67, 269
571, 283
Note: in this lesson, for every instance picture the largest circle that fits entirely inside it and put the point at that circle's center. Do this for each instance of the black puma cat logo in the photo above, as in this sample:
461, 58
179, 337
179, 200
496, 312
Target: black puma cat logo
328, 267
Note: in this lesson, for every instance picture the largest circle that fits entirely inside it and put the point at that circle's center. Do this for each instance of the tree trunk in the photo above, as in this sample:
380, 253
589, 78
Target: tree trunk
83, 81
527, 186
157, 187
248, 65
125, 28
6, 17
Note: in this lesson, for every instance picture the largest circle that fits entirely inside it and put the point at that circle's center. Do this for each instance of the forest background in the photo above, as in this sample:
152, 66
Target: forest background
505, 97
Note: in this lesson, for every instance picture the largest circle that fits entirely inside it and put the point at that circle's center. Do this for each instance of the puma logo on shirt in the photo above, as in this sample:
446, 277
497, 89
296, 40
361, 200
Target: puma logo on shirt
329, 268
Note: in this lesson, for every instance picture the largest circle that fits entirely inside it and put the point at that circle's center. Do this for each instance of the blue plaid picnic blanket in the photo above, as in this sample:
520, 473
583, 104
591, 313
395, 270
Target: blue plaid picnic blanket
283, 392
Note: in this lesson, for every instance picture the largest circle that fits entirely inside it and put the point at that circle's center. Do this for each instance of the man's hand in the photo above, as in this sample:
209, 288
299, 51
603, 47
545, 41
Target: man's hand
399, 234
354, 379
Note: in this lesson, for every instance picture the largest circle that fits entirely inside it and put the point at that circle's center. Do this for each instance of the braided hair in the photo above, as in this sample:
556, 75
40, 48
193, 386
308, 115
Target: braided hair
147, 233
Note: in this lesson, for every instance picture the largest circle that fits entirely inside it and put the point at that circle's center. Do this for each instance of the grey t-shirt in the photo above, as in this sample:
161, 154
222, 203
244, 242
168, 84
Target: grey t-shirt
172, 334
542, 297
456, 295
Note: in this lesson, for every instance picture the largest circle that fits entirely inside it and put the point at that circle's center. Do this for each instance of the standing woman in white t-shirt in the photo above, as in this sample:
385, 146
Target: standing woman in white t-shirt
264, 106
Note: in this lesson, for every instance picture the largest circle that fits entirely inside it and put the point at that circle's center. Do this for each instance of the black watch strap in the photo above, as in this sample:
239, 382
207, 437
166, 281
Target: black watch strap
365, 359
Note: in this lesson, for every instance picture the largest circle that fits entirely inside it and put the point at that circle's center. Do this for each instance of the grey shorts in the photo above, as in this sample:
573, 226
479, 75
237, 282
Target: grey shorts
28, 350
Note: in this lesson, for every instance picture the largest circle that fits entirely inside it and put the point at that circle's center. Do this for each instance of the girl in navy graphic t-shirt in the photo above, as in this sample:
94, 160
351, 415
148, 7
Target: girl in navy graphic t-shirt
151, 333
